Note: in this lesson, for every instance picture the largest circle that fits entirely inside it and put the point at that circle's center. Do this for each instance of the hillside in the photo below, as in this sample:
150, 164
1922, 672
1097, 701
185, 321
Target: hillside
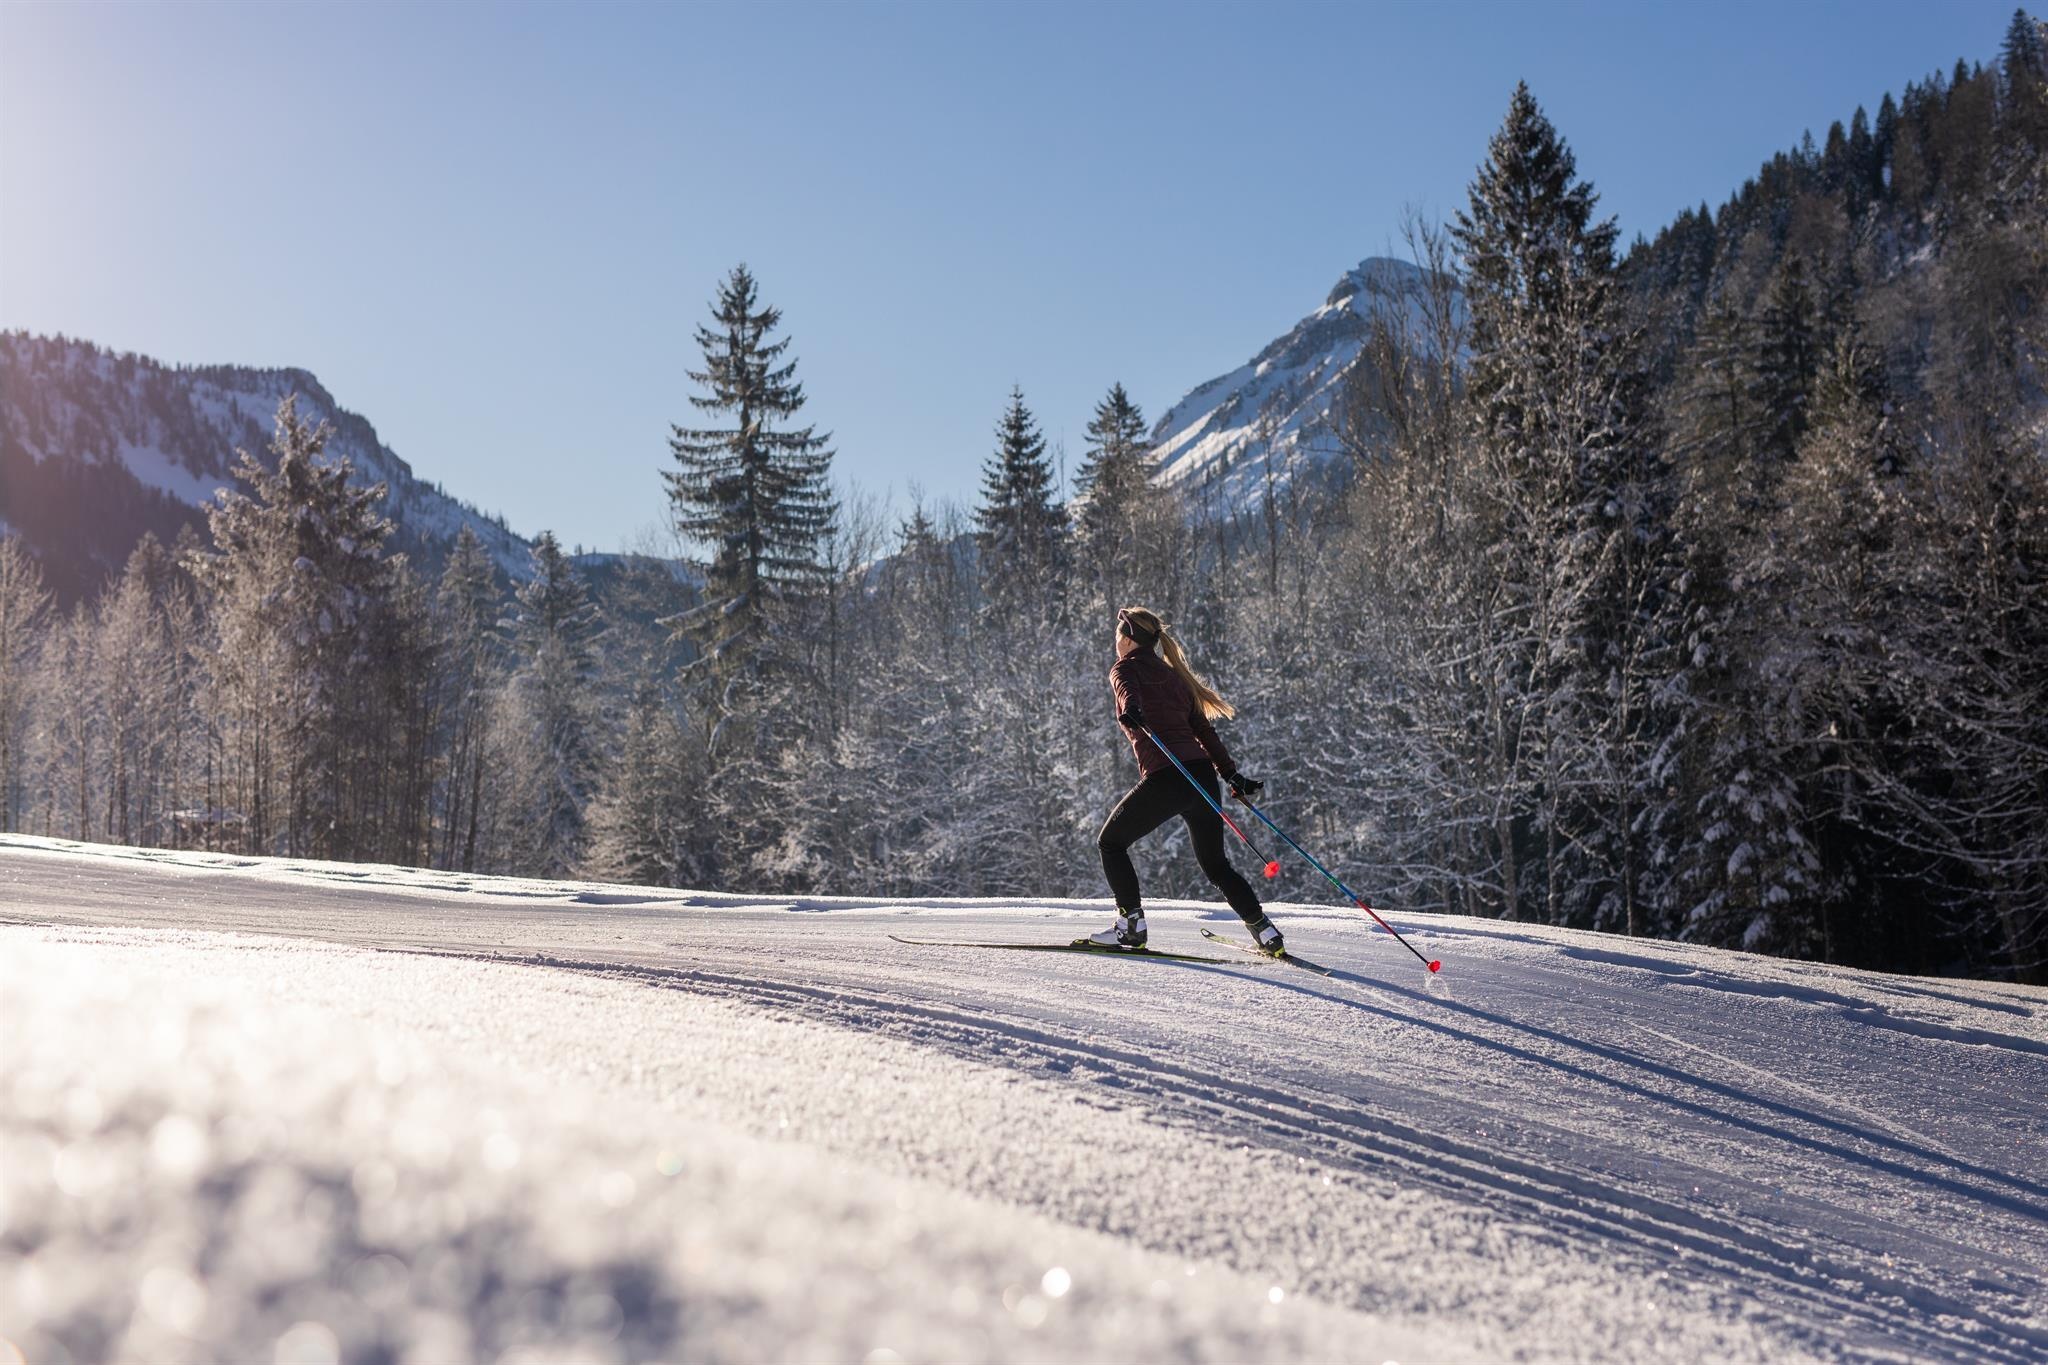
384, 1112
97, 448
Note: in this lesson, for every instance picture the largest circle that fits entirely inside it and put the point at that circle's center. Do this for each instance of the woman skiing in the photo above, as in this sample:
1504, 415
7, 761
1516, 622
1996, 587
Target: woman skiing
1167, 698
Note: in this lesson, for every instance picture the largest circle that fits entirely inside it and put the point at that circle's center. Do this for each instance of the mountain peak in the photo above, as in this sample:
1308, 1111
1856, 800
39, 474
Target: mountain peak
1375, 275
1275, 410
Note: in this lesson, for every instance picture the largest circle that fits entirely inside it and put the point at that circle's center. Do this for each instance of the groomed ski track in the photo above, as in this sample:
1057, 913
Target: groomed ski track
1592, 1148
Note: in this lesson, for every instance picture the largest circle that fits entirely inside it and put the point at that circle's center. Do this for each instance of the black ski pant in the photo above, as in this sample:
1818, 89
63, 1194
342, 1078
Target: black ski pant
1151, 804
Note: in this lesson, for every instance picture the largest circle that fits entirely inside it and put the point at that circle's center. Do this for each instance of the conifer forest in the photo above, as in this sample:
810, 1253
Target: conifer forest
1689, 588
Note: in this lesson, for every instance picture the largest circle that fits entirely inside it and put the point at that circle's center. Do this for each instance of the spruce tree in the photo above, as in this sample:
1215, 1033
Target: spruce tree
1571, 512
644, 826
467, 605
1864, 171
2023, 68
299, 582
1834, 158
758, 497
1787, 358
1718, 421
1021, 529
552, 629
1115, 460
1113, 483
1884, 136
917, 540
924, 572
2024, 53
1739, 865
1827, 565
1852, 404
1527, 234
1965, 661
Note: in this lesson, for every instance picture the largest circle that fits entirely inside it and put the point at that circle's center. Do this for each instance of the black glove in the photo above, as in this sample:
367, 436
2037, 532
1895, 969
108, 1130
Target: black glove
1242, 787
1132, 717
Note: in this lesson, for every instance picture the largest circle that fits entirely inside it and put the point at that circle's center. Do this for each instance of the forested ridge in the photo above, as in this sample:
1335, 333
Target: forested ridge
99, 448
1697, 589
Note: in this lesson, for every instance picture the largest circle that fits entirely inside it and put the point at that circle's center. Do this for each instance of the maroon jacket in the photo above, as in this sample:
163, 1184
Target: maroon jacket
1171, 712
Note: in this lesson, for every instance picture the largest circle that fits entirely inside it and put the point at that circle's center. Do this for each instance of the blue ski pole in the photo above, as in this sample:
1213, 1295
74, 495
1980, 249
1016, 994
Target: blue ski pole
1346, 891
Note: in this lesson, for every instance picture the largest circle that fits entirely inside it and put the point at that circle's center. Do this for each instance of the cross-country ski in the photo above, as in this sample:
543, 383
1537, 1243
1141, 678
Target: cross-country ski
1078, 946
1284, 955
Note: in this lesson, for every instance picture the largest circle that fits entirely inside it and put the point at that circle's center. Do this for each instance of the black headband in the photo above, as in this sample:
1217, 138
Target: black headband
1130, 627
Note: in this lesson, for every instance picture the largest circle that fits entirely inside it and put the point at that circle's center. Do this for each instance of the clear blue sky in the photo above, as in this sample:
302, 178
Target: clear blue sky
491, 229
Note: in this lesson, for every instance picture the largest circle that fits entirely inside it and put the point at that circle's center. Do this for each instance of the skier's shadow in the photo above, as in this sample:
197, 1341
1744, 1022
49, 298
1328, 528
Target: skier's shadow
1623, 1057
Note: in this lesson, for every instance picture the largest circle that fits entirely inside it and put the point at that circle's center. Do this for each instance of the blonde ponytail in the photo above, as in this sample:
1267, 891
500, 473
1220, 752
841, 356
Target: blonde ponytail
1148, 622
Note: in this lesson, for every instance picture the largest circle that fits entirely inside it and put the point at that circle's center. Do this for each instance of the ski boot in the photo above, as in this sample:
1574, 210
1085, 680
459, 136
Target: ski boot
1266, 934
1127, 933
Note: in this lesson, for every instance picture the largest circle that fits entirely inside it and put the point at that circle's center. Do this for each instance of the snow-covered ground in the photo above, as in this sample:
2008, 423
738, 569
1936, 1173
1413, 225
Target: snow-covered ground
255, 1109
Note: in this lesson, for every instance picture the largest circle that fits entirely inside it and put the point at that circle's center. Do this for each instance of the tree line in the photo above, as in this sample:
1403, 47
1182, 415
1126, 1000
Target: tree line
1697, 590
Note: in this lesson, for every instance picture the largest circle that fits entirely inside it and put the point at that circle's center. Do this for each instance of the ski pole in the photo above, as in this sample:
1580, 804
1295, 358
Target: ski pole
1346, 891
1272, 865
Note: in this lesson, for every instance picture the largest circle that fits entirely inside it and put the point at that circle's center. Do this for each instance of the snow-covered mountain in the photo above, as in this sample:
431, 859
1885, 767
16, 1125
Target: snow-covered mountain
97, 447
1212, 443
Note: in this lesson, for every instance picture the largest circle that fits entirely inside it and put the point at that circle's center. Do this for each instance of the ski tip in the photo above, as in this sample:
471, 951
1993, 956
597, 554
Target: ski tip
1436, 967
1272, 869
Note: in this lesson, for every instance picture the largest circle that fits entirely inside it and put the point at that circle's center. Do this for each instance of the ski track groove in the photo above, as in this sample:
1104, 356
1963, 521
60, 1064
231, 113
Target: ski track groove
1807, 1092
1916, 1144
1830, 1144
1355, 1136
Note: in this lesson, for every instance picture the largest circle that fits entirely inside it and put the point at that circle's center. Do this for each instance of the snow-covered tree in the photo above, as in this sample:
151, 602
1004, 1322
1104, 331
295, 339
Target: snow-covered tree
1125, 525
1113, 472
646, 826
467, 604
297, 581
1020, 526
1576, 511
1787, 360
132, 664
24, 607
553, 716
758, 497
2023, 96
